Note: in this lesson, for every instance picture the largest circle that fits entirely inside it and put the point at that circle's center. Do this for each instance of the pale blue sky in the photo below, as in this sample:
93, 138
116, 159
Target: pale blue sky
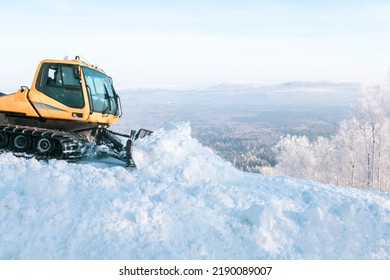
199, 43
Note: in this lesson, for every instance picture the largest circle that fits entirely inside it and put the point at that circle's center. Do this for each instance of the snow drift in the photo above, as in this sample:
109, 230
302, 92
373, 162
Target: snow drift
183, 202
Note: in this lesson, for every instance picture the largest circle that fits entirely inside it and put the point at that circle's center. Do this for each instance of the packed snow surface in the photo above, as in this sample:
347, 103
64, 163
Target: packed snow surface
183, 202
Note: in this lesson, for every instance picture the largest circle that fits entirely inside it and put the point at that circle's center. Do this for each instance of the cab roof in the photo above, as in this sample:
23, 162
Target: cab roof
76, 61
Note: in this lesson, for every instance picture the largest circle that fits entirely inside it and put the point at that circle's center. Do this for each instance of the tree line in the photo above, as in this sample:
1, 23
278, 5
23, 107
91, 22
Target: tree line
357, 155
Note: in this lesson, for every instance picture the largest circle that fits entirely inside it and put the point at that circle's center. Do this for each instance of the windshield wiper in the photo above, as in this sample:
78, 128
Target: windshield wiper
108, 98
118, 109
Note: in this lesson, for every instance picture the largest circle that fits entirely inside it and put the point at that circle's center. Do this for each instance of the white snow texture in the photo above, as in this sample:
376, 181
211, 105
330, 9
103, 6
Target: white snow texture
183, 202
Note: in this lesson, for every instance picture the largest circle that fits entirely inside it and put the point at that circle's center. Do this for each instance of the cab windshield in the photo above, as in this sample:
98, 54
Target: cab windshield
102, 96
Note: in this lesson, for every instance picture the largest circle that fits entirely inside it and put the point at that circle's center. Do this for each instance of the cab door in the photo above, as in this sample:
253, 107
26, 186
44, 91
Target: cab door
61, 95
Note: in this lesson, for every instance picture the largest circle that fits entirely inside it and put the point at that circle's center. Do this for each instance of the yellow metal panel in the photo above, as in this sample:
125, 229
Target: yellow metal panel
18, 103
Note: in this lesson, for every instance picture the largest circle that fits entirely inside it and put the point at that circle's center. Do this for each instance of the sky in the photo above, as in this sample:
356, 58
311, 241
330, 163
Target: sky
199, 43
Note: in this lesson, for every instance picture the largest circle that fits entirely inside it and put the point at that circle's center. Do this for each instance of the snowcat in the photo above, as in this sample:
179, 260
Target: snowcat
67, 110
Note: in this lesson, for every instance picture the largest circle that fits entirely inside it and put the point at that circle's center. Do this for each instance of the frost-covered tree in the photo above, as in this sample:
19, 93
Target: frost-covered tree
371, 117
295, 156
357, 155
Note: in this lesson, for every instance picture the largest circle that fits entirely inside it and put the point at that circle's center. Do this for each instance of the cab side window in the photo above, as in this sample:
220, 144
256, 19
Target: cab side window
59, 82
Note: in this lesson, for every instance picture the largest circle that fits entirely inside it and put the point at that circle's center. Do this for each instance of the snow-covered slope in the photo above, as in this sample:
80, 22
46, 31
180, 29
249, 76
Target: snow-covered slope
183, 202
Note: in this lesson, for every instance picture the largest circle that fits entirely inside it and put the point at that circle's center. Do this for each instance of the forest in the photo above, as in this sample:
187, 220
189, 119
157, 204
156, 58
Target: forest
352, 152
357, 155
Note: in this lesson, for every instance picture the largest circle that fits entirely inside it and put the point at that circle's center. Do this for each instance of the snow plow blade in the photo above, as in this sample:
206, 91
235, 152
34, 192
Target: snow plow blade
134, 136
116, 148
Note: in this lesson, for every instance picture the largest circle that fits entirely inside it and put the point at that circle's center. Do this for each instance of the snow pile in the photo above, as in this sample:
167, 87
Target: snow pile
172, 155
183, 202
